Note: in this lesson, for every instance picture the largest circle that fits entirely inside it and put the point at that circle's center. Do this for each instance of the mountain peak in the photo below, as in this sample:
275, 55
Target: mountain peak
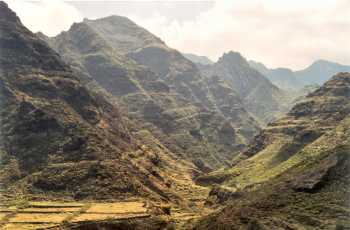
233, 57
114, 19
7, 14
323, 62
123, 33
320, 71
21, 48
233, 54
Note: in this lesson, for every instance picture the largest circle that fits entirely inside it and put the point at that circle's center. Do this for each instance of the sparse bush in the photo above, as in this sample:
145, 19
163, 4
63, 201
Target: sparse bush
166, 210
155, 160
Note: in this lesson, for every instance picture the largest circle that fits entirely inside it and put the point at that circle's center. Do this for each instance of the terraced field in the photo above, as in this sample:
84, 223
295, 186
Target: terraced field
47, 215
29, 213
17, 214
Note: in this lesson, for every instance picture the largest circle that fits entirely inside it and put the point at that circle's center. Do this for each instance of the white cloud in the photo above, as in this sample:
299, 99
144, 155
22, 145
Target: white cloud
289, 33
48, 16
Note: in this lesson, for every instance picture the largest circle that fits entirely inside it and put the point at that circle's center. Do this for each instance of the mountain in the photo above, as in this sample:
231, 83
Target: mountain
61, 139
179, 73
315, 74
283, 78
202, 60
295, 174
320, 71
201, 120
260, 97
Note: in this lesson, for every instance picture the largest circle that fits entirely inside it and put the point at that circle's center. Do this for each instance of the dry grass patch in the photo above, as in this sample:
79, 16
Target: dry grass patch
27, 226
116, 208
51, 210
98, 217
3, 215
50, 204
39, 218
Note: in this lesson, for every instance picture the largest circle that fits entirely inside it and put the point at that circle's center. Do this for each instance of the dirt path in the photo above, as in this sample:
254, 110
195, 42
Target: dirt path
195, 197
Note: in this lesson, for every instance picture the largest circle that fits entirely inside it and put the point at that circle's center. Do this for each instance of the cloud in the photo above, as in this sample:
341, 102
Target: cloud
48, 16
289, 33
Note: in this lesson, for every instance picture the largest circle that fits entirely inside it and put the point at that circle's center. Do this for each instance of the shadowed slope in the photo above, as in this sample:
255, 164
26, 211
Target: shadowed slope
60, 139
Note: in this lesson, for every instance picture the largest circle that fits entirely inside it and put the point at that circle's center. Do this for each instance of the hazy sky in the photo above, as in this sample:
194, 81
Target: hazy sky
288, 33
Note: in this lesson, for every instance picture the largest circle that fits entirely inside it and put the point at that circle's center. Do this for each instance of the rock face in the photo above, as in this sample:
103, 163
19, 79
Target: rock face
60, 138
260, 97
295, 174
159, 89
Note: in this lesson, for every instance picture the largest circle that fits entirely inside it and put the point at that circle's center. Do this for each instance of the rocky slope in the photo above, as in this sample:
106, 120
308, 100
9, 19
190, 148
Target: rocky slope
160, 89
60, 139
295, 175
180, 74
260, 97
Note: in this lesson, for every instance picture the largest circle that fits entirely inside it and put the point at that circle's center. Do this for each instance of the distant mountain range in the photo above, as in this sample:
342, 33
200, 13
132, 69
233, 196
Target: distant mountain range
203, 60
320, 71
316, 74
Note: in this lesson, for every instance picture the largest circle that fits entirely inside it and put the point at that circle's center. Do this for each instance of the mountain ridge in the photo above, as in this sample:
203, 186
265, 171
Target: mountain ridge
317, 72
178, 106
202, 60
261, 98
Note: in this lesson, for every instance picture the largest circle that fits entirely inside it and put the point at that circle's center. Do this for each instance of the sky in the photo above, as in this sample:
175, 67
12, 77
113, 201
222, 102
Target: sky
279, 33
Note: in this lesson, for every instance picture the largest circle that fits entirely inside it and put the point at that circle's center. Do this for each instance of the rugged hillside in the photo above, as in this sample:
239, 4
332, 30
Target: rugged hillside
296, 173
60, 139
146, 49
208, 132
259, 95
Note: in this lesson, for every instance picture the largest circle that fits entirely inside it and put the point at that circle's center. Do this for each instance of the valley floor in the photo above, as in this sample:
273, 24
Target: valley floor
25, 213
